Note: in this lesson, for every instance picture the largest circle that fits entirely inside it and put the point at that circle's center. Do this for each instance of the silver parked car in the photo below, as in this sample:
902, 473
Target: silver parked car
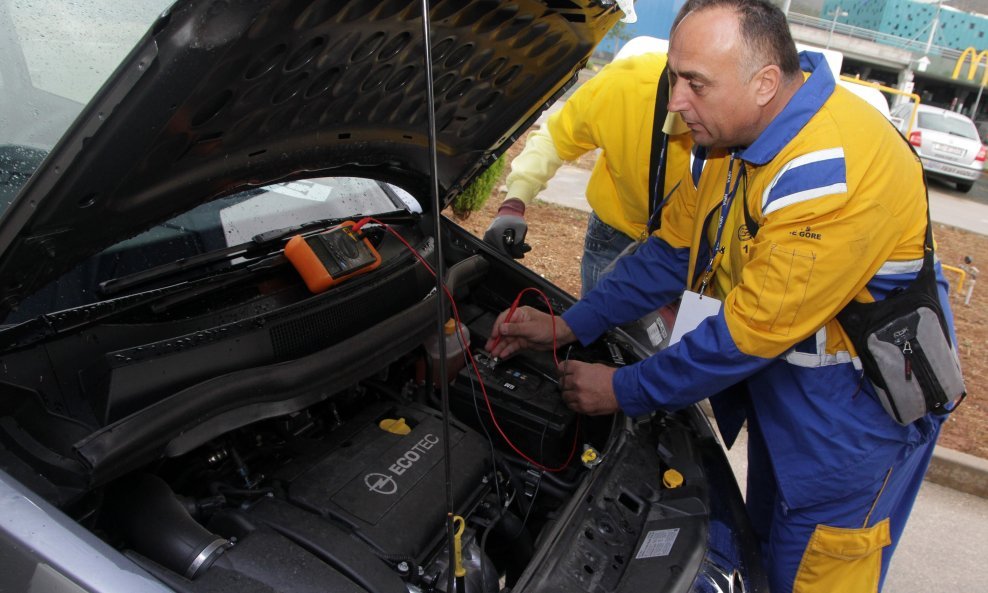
948, 143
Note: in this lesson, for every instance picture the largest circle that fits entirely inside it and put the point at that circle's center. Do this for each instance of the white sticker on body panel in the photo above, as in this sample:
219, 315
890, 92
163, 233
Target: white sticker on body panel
657, 332
657, 543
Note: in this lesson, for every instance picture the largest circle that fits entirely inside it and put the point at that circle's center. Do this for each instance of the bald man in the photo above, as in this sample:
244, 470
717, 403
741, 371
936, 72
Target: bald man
805, 199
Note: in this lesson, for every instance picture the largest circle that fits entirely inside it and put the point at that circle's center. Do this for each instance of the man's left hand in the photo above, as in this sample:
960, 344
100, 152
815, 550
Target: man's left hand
588, 388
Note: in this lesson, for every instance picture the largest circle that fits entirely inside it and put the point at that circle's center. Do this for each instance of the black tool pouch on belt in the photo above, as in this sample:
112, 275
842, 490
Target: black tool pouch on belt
903, 343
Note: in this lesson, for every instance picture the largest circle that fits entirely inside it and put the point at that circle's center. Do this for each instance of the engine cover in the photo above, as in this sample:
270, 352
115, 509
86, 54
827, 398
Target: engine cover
388, 488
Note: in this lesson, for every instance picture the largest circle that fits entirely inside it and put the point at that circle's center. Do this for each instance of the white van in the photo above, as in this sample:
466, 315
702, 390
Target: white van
835, 60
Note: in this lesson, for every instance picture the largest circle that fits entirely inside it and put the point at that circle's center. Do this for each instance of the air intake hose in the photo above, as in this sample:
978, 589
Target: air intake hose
156, 524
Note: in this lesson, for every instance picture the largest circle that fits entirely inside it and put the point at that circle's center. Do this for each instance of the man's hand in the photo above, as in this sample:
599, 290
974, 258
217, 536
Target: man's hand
588, 388
528, 329
508, 229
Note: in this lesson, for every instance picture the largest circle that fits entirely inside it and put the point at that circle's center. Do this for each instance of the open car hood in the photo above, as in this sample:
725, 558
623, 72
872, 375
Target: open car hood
223, 95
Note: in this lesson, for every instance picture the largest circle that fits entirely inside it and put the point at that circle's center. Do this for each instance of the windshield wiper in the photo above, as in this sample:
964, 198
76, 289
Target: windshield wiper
260, 245
159, 300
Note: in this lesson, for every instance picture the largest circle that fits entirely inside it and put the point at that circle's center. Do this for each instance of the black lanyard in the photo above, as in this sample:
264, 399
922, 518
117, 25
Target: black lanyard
657, 157
725, 208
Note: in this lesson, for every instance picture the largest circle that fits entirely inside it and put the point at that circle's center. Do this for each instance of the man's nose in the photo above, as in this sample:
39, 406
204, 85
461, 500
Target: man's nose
677, 96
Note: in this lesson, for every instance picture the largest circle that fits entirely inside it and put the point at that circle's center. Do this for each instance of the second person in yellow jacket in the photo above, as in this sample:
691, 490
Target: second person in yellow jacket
612, 112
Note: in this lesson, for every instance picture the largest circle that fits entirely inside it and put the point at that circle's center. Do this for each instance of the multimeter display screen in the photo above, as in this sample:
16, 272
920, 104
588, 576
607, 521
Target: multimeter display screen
340, 252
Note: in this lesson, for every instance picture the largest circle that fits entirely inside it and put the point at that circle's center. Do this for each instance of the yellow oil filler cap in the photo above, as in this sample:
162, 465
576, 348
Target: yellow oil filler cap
672, 478
591, 457
393, 426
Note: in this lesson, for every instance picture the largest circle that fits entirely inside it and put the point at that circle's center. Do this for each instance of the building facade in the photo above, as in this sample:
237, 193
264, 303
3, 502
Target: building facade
948, 46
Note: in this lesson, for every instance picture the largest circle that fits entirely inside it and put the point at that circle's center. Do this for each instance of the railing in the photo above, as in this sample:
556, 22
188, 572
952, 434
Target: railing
892, 91
875, 36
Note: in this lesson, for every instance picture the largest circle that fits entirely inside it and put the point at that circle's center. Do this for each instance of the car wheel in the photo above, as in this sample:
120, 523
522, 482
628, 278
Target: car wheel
965, 186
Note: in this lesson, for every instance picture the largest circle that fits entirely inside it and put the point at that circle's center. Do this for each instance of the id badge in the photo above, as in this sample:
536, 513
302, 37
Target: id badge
692, 310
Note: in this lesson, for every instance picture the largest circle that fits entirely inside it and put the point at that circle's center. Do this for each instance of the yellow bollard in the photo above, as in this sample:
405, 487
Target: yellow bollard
961, 274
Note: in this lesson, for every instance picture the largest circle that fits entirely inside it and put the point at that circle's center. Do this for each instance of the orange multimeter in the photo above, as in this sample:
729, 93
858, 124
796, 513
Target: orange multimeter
326, 259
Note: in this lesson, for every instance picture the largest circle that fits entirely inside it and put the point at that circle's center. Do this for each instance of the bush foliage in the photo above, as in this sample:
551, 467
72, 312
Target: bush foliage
475, 195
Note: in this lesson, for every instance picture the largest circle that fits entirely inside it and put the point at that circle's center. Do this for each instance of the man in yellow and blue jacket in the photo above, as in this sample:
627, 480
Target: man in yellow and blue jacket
805, 198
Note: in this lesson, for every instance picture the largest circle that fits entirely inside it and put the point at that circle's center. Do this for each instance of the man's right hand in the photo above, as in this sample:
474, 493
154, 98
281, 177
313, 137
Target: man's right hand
528, 329
508, 229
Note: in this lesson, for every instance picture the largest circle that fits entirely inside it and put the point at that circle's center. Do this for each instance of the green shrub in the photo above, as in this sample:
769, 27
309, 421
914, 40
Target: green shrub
475, 195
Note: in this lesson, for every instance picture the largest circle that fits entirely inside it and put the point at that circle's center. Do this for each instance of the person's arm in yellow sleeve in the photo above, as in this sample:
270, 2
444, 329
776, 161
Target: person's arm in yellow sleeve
530, 172
567, 134
532, 169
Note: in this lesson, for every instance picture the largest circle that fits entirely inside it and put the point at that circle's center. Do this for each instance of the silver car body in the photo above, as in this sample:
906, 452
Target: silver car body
948, 143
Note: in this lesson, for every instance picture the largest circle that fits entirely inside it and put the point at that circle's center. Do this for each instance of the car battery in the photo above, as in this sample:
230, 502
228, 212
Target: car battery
526, 402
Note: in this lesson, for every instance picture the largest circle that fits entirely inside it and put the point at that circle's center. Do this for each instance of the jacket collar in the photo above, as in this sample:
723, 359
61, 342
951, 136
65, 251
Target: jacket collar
807, 101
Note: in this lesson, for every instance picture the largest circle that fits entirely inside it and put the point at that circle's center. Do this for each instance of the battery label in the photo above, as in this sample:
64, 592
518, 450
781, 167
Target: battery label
657, 543
657, 332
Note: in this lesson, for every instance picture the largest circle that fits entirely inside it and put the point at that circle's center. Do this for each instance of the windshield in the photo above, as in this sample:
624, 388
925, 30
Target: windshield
54, 56
950, 124
222, 223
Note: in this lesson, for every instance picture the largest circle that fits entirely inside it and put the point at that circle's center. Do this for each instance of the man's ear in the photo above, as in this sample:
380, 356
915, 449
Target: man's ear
767, 82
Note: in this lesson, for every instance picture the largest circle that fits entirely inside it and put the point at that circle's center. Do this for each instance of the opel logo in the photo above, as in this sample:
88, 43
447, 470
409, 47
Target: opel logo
381, 483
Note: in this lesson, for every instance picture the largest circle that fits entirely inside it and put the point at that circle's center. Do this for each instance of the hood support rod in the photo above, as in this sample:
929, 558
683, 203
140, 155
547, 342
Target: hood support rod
440, 293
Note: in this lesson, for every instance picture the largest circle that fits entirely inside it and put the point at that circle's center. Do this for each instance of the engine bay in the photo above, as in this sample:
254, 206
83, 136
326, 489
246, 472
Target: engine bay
262, 438
350, 491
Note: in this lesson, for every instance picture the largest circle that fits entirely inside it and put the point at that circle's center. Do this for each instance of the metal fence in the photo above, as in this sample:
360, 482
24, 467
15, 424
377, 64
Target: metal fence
912, 45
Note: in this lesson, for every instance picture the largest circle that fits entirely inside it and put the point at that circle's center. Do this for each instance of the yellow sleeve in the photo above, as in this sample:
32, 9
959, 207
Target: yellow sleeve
574, 127
568, 134
532, 169
600, 108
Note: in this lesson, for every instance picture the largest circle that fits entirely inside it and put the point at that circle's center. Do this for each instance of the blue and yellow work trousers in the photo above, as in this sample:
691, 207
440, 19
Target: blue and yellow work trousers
848, 551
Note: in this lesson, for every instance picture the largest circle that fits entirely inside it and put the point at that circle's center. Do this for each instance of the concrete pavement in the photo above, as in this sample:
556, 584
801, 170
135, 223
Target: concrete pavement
964, 214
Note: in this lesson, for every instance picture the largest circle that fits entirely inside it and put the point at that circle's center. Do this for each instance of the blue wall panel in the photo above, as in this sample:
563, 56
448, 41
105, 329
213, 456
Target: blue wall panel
655, 17
911, 20
654, 20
